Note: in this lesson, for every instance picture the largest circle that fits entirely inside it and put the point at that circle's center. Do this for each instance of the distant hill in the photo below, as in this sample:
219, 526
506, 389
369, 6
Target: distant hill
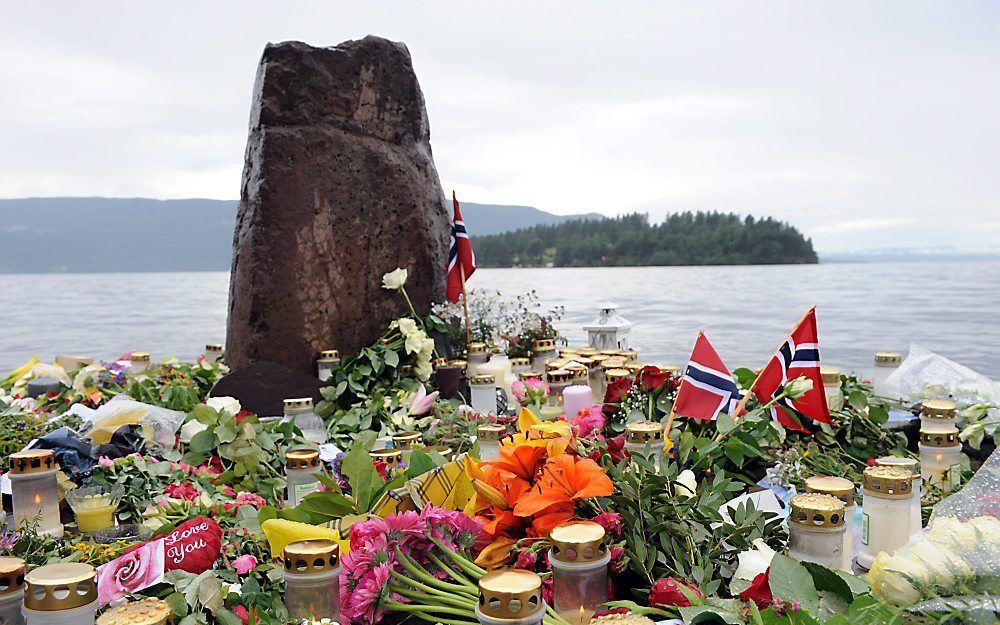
87, 235
631, 240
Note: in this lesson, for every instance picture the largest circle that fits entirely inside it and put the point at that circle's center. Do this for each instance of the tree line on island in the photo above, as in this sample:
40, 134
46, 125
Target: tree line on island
701, 238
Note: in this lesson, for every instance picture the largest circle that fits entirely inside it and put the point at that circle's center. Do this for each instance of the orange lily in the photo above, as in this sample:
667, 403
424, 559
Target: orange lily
496, 554
564, 480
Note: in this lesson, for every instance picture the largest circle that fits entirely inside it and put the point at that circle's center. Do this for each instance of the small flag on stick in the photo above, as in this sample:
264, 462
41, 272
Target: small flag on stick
461, 259
707, 387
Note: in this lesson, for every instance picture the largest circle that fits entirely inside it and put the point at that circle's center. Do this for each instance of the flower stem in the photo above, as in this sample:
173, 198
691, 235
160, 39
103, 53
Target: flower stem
464, 563
552, 617
426, 577
458, 577
409, 607
442, 598
431, 590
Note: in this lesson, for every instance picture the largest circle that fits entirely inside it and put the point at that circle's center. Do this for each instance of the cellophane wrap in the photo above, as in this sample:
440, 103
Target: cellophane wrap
955, 563
926, 375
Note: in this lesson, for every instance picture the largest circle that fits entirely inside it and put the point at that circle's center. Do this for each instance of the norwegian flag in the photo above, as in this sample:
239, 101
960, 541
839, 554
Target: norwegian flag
460, 256
797, 357
707, 387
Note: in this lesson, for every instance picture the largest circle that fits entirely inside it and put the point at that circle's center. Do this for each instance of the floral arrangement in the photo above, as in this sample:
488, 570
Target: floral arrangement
507, 325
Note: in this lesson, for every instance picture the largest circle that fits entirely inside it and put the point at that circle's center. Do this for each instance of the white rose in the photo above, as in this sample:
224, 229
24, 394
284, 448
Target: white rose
407, 326
686, 485
988, 528
799, 387
394, 280
938, 563
754, 562
229, 405
189, 429
890, 584
944, 529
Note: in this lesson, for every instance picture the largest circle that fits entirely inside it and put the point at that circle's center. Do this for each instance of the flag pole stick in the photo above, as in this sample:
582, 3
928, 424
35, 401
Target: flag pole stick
465, 304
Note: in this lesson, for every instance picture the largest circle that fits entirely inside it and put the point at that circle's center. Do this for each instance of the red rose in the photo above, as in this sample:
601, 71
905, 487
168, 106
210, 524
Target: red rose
759, 591
615, 448
652, 378
183, 491
242, 613
617, 390
611, 611
667, 592
242, 414
870, 462
611, 522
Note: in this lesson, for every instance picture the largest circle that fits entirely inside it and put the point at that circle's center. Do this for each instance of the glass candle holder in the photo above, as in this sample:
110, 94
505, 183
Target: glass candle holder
510, 597
488, 436
542, 351
519, 366
393, 458
449, 380
126, 532
139, 362
646, 438
832, 388
816, 530
34, 493
312, 579
579, 559
911, 465
214, 352
937, 414
325, 364
475, 356
559, 380
843, 490
95, 506
885, 521
12, 571
940, 457
484, 393
148, 611
302, 468
300, 411
885, 364
60, 594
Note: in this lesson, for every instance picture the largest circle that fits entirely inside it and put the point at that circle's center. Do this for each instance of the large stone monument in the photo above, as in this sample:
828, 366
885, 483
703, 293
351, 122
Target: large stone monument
339, 187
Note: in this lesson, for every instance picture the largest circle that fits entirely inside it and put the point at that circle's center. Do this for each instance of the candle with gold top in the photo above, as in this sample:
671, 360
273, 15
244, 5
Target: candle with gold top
832, 388
312, 585
542, 351
12, 572
911, 465
139, 362
488, 437
95, 506
34, 492
579, 559
148, 611
885, 504
510, 597
475, 356
325, 364
393, 458
842, 489
885, 364
482, 387
214, 352
816, 530
300, 411
302, 468
60, 594
647, 438
940, 457
938, 413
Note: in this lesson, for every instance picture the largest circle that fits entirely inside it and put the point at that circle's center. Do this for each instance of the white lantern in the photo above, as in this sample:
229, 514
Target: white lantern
610, 330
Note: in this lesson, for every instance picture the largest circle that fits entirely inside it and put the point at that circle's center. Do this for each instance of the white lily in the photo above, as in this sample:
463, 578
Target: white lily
229, 405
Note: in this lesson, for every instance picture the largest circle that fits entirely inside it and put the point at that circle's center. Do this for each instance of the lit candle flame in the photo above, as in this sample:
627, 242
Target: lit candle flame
38, 499
583, 616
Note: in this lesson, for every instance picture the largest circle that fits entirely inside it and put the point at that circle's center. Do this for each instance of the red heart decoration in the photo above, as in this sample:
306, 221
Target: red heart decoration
193, 546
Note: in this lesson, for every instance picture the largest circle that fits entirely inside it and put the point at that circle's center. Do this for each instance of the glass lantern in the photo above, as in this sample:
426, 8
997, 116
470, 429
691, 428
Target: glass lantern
214, 352
542, 351
910, 464
138, 362
831, 386
12, 572
302, 468
940, 457
843, 490
816, 530
488, 436
510, 597
484, 393
95, 506
938, 413
885, 364
579, 559
646, 438
60, 594
148, 611
300, 411
475, 355
325, 364
886, 493
312, 579
34, 492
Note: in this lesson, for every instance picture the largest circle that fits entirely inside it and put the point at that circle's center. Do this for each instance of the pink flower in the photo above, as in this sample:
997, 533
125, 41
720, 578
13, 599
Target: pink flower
532, 390
526, 560
611, 522
183, 491
130, 573
370, 593
105, 463
589, 422
245, 499
619, 563
242, 613
466, 412
422, 403
245, 563
403, 527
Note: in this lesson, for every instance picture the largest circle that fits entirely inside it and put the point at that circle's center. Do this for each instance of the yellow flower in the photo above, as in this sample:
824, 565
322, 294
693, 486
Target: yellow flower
890, 584
944, 528
988, 528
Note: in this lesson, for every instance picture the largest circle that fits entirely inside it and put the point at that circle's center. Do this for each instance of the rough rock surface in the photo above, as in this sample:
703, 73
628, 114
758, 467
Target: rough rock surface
339, 187
263, 387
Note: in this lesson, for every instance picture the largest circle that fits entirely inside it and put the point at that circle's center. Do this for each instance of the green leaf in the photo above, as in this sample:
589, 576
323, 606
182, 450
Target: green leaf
725, 423
420, 463
210, 594
790, 581
858, 400
692, 615
225, 433
360, 472
226, 617
327, 506
177, 603
205, 414
391, 358
826, 580
203, 442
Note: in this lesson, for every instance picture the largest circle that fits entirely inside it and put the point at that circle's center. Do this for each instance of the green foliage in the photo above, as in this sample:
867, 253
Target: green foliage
702, 238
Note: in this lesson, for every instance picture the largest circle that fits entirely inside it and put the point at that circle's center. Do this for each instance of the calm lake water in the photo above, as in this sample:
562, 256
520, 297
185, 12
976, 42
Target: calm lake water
952, 308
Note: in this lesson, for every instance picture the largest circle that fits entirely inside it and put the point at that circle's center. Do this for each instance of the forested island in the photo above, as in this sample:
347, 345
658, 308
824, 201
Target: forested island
702, 238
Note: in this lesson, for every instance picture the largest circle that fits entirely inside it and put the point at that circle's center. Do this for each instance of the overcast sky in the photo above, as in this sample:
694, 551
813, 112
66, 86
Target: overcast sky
867, 125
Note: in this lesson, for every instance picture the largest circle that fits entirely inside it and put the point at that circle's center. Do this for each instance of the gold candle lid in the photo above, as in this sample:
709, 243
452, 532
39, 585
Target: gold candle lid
329, 354
139, 357
560, 375
437, 363
830, 375
149, 611
482, 378
567, 352
910, 464
510, 594
405, 440
587, 351
528, 375
444, 450
938, 409
578, 541
888, 482
838, 487
887, 358
12, 572
458, 362
298, 403
490, 432
60, 587
298, 459
543, 345
304, 557
520, 362
476, 349
32, 461
629, 354
213, 347
671, 369
617, 374
817, 510
612, 362
598, 359
634, 367
940, 437
556, 363
643, 432
391, 457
